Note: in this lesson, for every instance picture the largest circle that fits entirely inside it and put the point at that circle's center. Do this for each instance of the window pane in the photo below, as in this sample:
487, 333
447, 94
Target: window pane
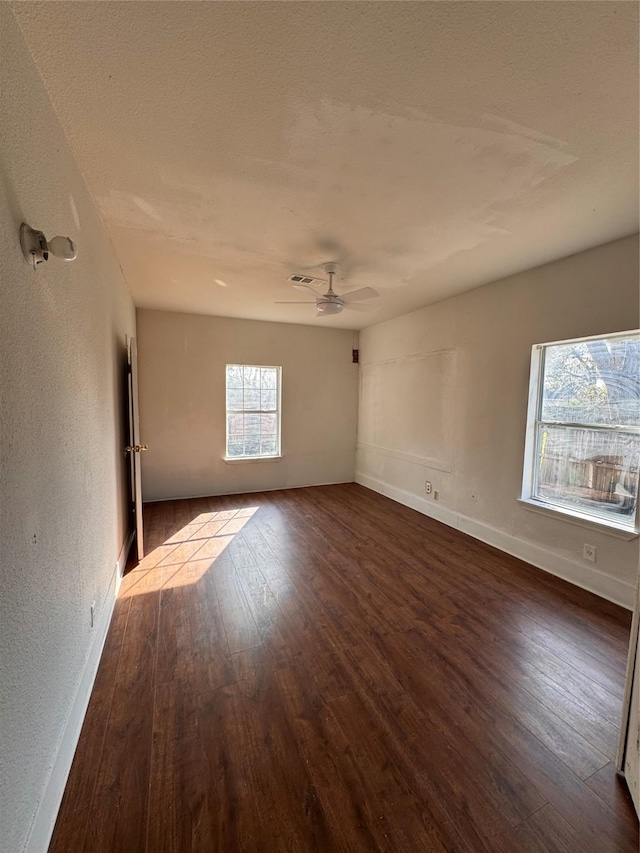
235, 424
268, 446
268, 400
252, 445
234, 399
593, 382
269, 377
251, 377
234, 376
235, 446
252, 425
588, 470
268, 424
251, 398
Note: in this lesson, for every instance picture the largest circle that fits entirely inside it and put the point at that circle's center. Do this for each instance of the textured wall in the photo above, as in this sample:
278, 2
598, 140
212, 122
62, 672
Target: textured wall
182, 360
63, 484
492, 330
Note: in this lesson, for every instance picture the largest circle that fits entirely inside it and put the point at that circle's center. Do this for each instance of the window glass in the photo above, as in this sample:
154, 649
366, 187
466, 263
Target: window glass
593, 471
585, 450
592, 382
253, 415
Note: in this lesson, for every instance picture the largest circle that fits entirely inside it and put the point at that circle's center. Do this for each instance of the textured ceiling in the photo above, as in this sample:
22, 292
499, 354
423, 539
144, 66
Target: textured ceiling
430, 147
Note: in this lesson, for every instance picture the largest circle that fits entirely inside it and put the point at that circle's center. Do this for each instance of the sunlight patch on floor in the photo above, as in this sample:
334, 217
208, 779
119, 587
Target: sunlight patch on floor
187, 555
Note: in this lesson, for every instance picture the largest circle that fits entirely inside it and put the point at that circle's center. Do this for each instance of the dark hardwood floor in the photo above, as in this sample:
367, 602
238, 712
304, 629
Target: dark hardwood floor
323, 669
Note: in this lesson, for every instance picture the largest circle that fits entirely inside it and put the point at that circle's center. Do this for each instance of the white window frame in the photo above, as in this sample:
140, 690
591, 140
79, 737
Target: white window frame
625, 528
278, 412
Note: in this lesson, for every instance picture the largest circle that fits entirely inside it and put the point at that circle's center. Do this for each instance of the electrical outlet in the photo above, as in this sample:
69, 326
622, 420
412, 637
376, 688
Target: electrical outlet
427, 487
589, 553
93, 613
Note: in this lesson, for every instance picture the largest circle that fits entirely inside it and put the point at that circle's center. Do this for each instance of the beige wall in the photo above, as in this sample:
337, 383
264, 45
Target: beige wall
63, 516
182, 360
469, 356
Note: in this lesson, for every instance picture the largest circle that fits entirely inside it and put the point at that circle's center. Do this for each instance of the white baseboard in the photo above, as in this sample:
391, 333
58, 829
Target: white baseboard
586, 577
243, 492
47, 812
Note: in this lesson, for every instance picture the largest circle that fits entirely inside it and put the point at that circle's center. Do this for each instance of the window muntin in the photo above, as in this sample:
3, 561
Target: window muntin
583, 456
253, 411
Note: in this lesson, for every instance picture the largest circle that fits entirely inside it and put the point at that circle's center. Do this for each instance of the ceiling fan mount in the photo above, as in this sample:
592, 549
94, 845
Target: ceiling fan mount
330, 302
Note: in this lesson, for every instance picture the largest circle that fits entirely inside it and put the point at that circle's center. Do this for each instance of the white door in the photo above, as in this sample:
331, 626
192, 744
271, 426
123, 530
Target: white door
135, 448
629, 752
632, 753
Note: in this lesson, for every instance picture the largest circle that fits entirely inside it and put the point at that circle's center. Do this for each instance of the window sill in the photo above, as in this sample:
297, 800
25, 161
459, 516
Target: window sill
233, 460
610, 528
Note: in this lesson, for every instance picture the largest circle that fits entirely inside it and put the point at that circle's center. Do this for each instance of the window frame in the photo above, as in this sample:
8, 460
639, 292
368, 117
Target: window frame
278, 412
625, 529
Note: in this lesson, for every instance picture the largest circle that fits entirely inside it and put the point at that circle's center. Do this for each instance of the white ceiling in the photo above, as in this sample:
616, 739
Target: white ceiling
429, 146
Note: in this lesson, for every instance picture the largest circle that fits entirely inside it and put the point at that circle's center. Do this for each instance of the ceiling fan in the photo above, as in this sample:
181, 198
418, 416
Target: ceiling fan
330, 302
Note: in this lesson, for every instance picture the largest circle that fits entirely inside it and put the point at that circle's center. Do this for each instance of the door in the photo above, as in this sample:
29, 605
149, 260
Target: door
135, 448
629, 751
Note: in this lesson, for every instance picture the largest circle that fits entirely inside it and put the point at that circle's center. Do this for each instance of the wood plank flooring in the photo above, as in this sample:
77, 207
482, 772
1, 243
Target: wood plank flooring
323, 669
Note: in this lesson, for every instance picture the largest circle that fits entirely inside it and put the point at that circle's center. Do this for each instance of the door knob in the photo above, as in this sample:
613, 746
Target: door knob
136, 448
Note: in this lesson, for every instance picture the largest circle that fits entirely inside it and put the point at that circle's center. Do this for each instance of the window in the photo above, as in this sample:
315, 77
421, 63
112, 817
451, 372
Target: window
253, 411
583, 430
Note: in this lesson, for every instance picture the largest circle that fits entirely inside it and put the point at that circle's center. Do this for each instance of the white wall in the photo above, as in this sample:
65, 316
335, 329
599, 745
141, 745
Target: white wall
182, 360
63, 513
469, 357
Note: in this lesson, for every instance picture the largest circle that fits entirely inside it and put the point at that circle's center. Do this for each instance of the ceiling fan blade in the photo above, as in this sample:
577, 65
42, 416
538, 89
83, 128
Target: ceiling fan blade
363, 293
305, 287
279, 302
356, 306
